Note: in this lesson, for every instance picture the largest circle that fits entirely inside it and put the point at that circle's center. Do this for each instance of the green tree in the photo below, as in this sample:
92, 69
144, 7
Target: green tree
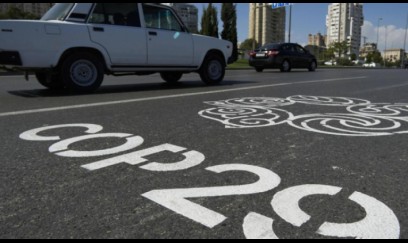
341, 48
229, 17
209, 21
369, 58
247, 44
16, 13
329, 54
377, 58
374, 57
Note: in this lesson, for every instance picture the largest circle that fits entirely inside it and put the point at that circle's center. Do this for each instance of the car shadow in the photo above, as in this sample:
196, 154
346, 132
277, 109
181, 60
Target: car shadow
127, 88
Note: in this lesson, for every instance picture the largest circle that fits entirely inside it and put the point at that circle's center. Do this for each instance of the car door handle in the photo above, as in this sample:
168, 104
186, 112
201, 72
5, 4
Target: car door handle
99, 29
152, 33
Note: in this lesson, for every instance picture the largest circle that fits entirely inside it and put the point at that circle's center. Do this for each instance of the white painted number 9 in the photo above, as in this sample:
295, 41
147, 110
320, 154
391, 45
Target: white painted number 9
380, 221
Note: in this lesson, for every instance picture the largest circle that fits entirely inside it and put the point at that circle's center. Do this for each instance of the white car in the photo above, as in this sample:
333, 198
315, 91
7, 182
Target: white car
373, 65
330, 63
75, 44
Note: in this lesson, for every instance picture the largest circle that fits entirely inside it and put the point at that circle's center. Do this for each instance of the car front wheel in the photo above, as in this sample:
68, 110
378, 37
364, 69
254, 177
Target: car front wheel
213, 70
82, 72
313, 66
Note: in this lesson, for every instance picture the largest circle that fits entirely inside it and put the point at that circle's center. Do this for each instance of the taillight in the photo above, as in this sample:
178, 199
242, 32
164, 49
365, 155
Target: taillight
273, 53
252, 54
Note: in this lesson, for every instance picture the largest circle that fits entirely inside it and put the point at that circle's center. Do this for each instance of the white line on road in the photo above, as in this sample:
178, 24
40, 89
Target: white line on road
61, 108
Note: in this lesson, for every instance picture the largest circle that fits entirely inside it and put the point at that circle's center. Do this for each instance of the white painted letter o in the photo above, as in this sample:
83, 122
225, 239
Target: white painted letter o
61, 148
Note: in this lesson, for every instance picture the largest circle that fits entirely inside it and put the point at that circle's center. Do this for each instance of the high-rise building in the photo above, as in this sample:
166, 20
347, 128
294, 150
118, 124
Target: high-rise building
317, 40
266, 25
38, 9
188, 13
344, 22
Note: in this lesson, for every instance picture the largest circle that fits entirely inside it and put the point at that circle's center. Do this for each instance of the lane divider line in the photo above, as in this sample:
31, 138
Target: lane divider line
25, 112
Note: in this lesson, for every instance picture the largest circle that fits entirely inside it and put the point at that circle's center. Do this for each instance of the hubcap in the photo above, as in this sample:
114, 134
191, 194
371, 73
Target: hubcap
286, 65
215, 70
83, 73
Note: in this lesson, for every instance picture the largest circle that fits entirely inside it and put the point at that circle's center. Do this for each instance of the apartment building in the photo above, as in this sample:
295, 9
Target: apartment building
367, 48
344, 23
318, 40
393, 55
266, 25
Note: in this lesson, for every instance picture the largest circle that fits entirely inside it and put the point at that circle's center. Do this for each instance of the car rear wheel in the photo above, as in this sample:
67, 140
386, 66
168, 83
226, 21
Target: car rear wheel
213, 70
259, 70
171, 77
49, 80
82, 72
286, 67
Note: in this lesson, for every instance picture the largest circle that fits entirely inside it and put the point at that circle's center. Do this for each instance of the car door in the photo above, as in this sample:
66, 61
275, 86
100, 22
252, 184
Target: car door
117, 28
168, 43
289, 53
302, 56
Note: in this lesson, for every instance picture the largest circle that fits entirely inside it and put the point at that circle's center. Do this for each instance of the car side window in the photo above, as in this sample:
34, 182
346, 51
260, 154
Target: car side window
160, 18
300, 50
123, 14
288, 48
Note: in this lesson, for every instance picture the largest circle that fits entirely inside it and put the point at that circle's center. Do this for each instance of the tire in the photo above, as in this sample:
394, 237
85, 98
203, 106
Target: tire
171, 77
313, 66
213, 70
286, 67
49, 80
259, 70
82, 72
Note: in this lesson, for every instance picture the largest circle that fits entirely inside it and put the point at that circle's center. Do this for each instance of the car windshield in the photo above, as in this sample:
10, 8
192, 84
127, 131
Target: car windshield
58, 12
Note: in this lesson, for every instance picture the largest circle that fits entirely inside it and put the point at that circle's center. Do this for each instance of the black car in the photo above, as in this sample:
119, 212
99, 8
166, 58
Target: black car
283, 56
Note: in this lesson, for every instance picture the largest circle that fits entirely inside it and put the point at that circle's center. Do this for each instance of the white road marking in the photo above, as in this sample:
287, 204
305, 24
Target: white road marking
32, 135
257, 226
380, 221
61, 108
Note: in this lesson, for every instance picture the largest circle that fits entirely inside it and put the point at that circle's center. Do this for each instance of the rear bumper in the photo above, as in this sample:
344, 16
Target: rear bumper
12, 58
264, 62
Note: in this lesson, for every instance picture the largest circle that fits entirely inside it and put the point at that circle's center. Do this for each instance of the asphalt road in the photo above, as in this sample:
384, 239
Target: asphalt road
264, 155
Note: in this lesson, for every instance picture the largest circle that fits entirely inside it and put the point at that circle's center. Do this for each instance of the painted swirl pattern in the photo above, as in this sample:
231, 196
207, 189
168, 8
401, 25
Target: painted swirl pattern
364, 119
247, 117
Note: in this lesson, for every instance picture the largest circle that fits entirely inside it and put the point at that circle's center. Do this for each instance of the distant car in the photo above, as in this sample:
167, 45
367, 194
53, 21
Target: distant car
330, 63
371, 65
283, 56
75, 44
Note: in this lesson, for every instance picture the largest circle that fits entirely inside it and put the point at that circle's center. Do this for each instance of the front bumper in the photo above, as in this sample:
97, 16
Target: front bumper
231, 60
11, 58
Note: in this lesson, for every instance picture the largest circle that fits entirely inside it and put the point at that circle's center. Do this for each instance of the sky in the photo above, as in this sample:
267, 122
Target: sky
310, 18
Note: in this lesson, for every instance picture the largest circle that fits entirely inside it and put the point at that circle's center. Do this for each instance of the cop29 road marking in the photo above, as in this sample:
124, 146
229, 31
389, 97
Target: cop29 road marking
119, 102
380, 221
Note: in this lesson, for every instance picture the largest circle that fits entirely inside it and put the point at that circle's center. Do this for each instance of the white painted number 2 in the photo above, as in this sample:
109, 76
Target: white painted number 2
176, 199
380, 221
